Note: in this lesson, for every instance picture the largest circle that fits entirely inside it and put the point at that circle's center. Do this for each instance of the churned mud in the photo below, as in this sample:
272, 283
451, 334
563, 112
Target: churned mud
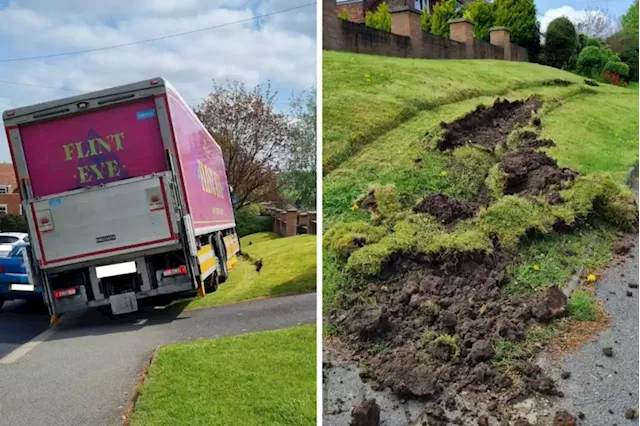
530, 139
531, 172
446, 209
488, 127
434, 326
428, 326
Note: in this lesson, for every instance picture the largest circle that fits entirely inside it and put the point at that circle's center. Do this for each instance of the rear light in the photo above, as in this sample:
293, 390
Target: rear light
67, 292
45, 221
1, 270
172, 272
154, 82
11, 113
155, 200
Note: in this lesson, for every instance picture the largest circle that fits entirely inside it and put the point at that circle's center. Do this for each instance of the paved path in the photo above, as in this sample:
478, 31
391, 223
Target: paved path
599, 383
20, 322
86, 373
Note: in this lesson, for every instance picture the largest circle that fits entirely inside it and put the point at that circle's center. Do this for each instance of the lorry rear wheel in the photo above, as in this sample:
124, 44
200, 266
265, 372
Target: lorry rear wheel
222, 255
211, 283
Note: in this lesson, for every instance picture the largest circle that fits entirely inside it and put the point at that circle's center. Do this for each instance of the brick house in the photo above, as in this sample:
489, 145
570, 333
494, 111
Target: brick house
358, 8
10, 202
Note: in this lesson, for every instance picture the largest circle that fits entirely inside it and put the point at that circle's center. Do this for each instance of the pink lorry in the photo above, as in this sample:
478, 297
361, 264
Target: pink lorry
126, 197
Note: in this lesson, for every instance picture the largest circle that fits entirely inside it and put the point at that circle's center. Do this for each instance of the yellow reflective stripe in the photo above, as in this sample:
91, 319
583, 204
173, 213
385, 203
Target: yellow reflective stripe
208, 264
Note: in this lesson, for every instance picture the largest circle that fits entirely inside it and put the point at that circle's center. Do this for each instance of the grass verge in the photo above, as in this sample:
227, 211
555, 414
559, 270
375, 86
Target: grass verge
233, 381
289, 267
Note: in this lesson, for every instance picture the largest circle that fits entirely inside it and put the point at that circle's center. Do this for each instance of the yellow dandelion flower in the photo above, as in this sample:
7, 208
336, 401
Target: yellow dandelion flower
536, 267
591, 278
443, 173
355, 207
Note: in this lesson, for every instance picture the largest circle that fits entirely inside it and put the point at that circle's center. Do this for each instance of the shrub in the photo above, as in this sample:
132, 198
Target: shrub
483, 16
249, 221
344, 15
520, 17
619, 68
590, 61
443, 11
581, 306
613, 78
560, 42
380, 19
13, 223
346, 238
425, 20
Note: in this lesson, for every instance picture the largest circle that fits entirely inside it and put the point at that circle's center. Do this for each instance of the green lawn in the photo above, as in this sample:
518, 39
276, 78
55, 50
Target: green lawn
260, 379
289, 267
259, 237
365, 96
596, 134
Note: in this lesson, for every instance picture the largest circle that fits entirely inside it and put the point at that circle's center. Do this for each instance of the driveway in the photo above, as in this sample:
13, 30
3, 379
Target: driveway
20, 322
86, 372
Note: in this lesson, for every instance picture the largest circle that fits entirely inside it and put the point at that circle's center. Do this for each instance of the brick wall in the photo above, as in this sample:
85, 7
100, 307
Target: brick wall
11, 200
356, 11
408, 40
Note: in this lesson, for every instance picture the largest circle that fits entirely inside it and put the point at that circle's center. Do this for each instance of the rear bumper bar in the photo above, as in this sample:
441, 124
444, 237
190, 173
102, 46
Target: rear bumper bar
163, 290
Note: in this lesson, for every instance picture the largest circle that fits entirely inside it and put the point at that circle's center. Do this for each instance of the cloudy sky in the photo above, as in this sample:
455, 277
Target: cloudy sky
548, 10
279, 48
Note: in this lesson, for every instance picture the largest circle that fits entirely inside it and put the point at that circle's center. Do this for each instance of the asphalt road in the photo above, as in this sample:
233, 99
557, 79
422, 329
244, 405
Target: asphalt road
20, 322
86, 373
602, 387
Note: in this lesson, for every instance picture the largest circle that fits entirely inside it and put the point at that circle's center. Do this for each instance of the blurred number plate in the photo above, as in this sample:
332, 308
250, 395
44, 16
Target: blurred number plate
22, 287
123, 303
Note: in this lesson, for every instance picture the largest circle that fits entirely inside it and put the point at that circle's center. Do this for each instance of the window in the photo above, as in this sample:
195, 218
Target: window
6, 239
16, 251
5, 189
3, 209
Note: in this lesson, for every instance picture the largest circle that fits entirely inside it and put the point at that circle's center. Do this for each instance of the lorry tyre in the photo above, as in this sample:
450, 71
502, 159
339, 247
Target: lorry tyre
211, 283
222, 255
1, 303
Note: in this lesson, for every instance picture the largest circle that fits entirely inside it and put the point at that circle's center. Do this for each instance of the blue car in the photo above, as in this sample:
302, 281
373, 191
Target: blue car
14, 281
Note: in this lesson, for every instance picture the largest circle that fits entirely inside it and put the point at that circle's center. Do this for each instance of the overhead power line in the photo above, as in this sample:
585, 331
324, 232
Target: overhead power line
69, 89
116, 46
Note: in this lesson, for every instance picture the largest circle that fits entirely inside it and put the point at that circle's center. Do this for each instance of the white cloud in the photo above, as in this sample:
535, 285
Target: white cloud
570, 13
282, 49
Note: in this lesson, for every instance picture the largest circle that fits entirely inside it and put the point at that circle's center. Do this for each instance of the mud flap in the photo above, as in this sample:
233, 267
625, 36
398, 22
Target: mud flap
54, 320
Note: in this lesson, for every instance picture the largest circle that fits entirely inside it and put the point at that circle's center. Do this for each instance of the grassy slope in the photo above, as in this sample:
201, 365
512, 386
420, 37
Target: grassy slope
594, 132
233, 381
289, 267
365, 96
259, 237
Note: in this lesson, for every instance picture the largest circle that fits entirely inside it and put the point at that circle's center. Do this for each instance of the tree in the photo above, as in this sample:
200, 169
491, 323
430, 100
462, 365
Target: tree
425, 20
519, 16
629, 23
300, 175
254, 138
560, 43
595, 23
443, 11
590, 62
483, 16
380, 19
